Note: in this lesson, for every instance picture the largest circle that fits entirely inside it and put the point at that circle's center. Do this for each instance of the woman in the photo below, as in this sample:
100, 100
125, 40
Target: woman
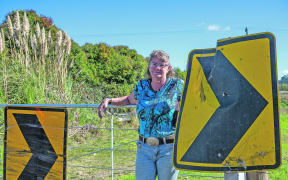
157, 99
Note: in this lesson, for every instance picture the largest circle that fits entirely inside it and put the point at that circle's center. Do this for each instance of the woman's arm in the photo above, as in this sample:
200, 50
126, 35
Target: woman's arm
119, 101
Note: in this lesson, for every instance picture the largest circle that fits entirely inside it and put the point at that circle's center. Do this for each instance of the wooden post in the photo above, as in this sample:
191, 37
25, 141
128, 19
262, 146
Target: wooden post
258, 175
235, 175
254, 175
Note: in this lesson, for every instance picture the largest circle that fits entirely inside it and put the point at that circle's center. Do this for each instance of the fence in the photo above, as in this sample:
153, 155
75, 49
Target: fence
92, 154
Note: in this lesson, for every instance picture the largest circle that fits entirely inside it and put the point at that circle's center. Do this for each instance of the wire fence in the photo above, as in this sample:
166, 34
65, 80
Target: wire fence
114, 148
106, 152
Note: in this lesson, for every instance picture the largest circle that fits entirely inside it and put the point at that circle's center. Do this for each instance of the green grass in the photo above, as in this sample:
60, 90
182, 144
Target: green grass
284, 104
283, 170
96, 163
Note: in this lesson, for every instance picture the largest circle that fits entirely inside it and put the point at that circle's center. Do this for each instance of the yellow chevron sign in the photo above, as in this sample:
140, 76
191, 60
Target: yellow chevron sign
229, 117
35, 143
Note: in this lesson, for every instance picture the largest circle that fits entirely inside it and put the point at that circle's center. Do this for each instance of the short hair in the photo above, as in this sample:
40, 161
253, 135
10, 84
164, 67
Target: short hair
164, 57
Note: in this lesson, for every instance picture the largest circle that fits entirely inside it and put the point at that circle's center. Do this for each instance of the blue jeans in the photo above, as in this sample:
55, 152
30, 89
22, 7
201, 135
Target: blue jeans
155, 160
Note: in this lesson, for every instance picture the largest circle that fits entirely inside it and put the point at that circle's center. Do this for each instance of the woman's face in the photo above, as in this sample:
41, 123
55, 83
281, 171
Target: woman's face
158, 69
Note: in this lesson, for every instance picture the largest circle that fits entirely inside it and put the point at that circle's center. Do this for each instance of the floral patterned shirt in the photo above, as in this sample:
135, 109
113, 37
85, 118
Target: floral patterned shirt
155, 109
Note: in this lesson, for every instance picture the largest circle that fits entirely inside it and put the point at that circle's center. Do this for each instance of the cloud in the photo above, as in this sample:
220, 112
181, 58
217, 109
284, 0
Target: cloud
227, 28
213, 28
285, 71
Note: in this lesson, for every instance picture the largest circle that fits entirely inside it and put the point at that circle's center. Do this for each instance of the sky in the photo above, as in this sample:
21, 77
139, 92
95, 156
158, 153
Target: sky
176, 27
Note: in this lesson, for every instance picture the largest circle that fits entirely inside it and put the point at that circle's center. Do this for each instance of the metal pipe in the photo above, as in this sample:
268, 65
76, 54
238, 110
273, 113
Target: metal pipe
112, 147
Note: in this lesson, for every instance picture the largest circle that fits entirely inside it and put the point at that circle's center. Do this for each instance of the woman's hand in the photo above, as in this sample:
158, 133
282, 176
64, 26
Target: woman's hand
117, 101
103, 106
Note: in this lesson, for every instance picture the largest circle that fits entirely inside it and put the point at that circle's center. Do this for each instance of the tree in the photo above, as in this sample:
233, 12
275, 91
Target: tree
180, 74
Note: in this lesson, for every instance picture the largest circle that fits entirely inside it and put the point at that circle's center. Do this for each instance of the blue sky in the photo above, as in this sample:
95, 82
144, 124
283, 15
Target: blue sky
174, 26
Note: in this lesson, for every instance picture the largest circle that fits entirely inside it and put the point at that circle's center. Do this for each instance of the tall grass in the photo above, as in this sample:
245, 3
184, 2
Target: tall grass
33, 67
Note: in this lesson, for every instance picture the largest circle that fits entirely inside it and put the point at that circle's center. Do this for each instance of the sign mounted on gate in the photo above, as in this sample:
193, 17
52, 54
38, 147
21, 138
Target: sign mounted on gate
35, 143
229, 117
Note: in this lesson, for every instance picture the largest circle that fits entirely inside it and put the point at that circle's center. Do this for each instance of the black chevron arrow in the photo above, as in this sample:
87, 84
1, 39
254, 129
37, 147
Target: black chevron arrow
43, 155
240, 105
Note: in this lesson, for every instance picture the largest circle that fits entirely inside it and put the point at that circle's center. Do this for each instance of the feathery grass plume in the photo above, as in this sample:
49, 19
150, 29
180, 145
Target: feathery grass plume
17, 42
3, 38
59, 38
67, 41
35, 41
43, 46
26, 25
68, 45
46, 48
32, 41
59, 58
65, 37
49, 39
1, 44
17, 24
43, 37
58, 46
26, 50
10, 27
38, 30
17, 30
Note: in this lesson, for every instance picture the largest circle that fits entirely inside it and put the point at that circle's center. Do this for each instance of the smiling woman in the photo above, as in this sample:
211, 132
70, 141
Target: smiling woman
157, 99
159, 59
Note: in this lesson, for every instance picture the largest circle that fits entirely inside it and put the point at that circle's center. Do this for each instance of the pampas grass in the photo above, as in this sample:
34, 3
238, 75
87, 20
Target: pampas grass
33, 48
26, 25
3, 38
37, 30
1, 44
17, 24
10, 27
